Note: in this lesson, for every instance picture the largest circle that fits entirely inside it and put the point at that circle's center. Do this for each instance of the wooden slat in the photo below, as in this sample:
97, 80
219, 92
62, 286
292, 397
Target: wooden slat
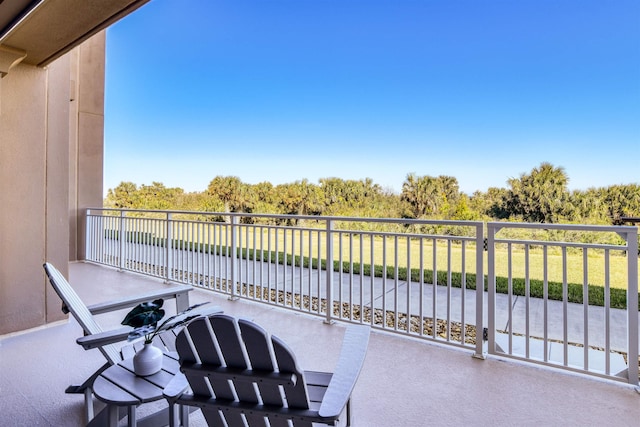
228, 336
169, 364
317, 383
199, 332
169, 339
139, 387
79, 310
249, 376
114, 395
187, 355
296, 395
256, 341
169, 368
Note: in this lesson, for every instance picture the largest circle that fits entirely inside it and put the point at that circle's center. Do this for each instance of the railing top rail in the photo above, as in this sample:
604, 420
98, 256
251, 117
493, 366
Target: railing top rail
568, 227
564, 244
303, 217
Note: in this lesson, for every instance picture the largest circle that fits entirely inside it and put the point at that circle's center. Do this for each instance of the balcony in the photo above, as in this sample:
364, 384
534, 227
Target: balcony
405, 381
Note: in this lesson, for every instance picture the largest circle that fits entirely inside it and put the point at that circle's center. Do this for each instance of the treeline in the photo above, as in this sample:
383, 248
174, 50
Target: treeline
541, 195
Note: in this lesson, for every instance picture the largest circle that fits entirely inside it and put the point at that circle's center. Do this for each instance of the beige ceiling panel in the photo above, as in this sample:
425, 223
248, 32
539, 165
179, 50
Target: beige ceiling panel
56, 26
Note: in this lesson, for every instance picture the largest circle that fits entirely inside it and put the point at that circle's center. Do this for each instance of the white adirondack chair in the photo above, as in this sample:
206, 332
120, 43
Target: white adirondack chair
96, 337
246, 370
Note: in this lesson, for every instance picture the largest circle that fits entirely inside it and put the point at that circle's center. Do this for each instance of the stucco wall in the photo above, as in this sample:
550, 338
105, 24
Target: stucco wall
45, 144
88, 156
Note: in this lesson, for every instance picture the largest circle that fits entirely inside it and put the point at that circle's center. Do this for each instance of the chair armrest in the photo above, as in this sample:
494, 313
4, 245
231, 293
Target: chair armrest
103, 338
176, 387
122, 334
180, 293
354, 350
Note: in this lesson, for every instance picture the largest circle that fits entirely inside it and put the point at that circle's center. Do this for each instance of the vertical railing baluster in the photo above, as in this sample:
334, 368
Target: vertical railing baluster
121, 241
632, 304
565, 307
340, 274
319, 267
285, 266
408, 285
434, 289
527, 302
585, 305
421, 292
607, 311
361, 282
234, 256
491, 273
254, 264
329, 272
463, 293
269, 232
310, 267
510, 295
372, 279
449, 285
350, 276
168, 247
396, 282
545, 299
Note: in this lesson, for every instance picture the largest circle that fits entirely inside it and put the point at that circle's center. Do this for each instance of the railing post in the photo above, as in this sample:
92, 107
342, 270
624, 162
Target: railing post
481, 352
169, 247
234, 257
89, 250
632, 306
492, 229
122, 237
329, 272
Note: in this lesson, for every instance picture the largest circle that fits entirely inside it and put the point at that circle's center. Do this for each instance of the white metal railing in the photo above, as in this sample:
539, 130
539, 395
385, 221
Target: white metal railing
419, 278
307, 263
565, 330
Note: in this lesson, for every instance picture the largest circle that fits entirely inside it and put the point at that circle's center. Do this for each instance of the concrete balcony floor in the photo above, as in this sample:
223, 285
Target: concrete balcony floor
404, 382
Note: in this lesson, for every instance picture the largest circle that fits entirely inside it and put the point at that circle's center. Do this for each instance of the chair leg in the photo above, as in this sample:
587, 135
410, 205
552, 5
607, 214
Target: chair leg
113, 416
86, 388
179, 415
88, 404
184, 414
349, 412
132, 422
174, 420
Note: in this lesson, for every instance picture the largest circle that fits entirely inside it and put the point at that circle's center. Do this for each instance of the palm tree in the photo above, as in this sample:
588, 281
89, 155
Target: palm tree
230, 190
540, 196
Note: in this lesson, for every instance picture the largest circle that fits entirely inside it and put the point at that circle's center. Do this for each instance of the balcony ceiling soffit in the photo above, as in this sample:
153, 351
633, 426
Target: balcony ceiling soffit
9, 57
47, 29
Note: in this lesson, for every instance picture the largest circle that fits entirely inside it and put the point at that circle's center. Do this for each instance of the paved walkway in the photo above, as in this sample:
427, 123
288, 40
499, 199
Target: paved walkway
405, 296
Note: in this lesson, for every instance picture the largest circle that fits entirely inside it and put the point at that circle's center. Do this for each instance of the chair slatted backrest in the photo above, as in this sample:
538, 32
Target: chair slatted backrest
71, 303
220, 341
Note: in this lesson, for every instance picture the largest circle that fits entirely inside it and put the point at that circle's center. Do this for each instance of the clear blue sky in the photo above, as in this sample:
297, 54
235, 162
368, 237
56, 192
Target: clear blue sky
281, 90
